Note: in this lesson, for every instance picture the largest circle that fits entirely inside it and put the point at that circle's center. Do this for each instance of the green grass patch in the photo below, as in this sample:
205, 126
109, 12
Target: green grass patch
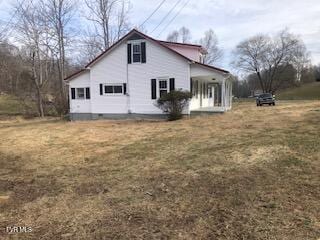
12, 106
309, 91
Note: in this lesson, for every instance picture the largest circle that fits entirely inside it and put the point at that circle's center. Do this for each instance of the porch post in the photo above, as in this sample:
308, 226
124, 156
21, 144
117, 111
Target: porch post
230, 83
228, 95
228, 102
223, 93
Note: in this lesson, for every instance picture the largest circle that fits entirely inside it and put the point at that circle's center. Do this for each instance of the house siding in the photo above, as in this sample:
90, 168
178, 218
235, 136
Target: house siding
111, 69
161, 63
80, 105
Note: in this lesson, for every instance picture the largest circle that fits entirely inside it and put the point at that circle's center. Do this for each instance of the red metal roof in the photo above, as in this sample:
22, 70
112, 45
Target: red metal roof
183, 44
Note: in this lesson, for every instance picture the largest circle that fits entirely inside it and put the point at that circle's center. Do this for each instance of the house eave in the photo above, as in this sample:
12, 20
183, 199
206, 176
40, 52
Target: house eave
75, 75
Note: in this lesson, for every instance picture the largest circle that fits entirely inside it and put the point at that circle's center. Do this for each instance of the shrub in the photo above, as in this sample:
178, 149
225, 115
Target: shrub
173, 103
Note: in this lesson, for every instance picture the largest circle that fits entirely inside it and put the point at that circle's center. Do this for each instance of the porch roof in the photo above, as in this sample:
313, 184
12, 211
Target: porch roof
207, 73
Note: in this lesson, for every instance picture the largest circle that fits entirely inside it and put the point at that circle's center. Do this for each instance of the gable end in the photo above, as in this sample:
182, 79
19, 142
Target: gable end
135, 36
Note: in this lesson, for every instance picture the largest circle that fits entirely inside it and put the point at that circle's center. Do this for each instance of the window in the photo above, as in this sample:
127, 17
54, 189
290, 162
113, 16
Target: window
136, 52
163, 87
80, 93
113, 89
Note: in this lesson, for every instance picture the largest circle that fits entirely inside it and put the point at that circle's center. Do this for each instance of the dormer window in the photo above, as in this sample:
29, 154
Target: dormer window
136, 52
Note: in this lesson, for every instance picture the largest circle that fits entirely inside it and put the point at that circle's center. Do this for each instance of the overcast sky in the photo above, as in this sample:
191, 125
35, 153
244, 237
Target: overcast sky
236, 20
232, 20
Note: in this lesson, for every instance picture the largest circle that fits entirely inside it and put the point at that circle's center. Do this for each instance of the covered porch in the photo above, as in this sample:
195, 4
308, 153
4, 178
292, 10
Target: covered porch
211, 90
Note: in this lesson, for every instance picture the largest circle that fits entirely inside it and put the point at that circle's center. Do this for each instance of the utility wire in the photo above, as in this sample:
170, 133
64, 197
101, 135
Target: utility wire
174, 17
157, 8
164, 18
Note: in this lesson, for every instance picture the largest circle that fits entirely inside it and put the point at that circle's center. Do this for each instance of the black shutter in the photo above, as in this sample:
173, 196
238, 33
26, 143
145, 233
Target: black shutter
143, 52
124, 88
171, 84
153, 88
73, 93
129, 53
87, 93
191, 86
101, 89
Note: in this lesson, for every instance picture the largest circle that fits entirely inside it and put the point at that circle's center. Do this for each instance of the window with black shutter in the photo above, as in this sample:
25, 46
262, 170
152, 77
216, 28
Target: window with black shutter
143, 52
124, 88
129, 53
87, 93
153, 88
101, 89
137, 52
73, 93
172, 84
80, 93
114, 89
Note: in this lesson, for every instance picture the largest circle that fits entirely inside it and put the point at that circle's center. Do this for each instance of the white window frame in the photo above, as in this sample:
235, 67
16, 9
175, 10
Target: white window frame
132, 52
167, 89
113, 85
84, 93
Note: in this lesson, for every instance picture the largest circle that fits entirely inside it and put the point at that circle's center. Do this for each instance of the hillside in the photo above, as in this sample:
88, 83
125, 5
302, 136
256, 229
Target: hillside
9, 105
309, 91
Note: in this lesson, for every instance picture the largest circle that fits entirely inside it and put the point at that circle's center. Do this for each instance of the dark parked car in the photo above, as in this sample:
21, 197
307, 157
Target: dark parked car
265, 98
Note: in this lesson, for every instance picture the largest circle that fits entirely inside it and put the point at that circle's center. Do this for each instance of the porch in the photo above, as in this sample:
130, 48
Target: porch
207, 110
211, 91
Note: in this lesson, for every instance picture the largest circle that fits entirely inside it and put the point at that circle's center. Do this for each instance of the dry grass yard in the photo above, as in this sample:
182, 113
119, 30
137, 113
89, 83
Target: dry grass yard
252, 173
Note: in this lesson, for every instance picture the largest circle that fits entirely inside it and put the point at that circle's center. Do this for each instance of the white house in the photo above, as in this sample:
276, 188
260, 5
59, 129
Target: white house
126, 79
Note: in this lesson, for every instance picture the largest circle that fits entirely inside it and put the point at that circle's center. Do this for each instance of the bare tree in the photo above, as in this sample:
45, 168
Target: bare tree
210, 43
110, 18
32, 30
90, 46
185, 35
182, 35
59, 14
300, 60
173, 36
268, 57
